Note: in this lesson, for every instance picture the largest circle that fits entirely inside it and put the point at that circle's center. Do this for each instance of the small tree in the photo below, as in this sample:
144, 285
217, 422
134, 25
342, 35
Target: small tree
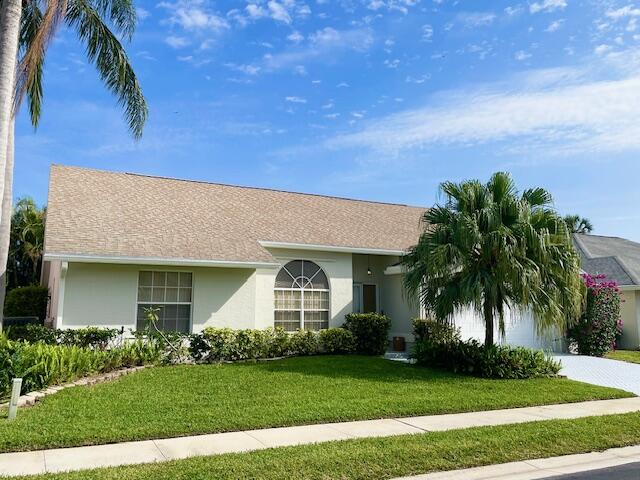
491, 248
596, 331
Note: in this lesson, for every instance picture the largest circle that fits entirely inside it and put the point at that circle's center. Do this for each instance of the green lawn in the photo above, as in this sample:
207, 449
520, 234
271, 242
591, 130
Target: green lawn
182, 400
383, 458
632, 356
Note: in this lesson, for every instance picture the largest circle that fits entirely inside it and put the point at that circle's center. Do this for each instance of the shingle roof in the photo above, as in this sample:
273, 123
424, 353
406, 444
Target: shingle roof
92, 212
617, 258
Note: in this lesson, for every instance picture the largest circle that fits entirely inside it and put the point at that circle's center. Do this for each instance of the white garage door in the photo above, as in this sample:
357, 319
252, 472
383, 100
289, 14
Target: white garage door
519, 331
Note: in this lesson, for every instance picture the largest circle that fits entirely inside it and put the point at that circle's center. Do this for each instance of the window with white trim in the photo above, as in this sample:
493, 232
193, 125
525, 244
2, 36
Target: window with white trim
172, 293
301, 297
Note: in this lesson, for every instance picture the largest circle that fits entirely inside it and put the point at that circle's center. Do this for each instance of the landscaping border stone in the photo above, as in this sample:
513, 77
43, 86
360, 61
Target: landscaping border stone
31, 398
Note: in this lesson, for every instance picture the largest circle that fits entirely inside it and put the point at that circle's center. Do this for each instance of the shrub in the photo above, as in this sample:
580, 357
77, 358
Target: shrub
216, 344
596, 330
41, 365
473, 358
304, 342
439, 345
90, 337
337, 340
27, 302
370, 330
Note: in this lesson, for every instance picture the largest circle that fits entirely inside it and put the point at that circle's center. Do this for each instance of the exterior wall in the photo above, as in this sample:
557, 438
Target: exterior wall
338, 268
630, 313
391, 298
105, 295
51, 278
519, 331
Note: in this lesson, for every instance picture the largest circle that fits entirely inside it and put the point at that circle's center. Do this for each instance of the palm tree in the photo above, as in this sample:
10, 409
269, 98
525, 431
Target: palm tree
490, 248
578, 224
26, 29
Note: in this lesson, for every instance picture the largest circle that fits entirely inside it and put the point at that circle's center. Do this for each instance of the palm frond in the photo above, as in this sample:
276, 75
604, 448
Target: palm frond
111, 60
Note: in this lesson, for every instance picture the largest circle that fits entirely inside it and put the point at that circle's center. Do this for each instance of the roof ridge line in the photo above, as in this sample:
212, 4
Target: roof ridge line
268, 189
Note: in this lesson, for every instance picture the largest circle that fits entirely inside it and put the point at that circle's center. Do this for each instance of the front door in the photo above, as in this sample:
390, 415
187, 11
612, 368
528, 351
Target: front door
369, 299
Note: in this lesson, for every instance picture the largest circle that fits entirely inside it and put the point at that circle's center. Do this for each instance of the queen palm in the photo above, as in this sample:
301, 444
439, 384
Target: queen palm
491, 249
26, 29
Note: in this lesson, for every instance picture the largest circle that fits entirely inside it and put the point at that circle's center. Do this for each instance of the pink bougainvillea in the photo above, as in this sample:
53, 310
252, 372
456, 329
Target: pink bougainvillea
596, 331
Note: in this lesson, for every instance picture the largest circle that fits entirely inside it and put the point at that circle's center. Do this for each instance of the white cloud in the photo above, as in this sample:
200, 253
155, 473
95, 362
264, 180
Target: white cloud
192, 16
401, 6
562, 114
325, 43
177, 42
513, 10
328, 106
554, 26
522, 55
476, 19
628, 11
602, 49
294, 99
142, 13
278, 12
547, 6
246, 69
295, 37
427, 32
300, 70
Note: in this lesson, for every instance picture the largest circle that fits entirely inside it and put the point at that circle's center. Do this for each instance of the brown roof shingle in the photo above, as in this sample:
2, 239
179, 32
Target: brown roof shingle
92, 212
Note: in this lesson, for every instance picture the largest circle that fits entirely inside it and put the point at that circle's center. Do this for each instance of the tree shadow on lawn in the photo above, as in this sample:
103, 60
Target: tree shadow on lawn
362, 368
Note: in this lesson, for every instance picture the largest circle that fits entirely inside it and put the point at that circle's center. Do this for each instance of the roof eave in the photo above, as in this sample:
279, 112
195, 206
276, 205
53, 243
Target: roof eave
178, 262
332, 248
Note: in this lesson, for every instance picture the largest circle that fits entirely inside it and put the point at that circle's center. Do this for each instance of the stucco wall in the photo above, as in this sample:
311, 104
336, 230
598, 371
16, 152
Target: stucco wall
106, 295
630, 313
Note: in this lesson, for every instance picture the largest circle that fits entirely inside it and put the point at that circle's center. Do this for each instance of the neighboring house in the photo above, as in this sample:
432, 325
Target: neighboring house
219, 255
619, 260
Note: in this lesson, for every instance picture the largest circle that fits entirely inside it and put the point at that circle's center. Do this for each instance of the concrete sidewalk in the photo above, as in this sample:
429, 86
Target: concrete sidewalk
540, 468
148, 451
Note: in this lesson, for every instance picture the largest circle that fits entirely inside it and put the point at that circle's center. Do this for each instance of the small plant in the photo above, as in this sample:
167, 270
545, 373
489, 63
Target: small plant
175, 350
304, 342
370, 330
337, 341
596, 330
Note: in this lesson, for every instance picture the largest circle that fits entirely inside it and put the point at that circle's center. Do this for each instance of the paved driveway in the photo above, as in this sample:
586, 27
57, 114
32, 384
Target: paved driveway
601, 371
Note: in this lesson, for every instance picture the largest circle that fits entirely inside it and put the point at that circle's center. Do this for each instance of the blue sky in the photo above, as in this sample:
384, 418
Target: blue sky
372, 99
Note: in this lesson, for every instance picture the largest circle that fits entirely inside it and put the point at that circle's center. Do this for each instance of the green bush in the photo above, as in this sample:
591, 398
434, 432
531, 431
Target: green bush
226, 344
370, 330
429, 334
89, 337
41, 365
596, 330
336, 341
27, 302
473, 358
304, 342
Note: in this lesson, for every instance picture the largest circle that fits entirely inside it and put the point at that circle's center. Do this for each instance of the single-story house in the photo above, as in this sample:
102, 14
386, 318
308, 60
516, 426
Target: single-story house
227, 256
618, 259
219, 255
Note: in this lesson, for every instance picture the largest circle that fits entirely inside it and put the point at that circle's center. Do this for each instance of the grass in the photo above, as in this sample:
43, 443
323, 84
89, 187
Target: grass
188, 400
632, 356
383, 458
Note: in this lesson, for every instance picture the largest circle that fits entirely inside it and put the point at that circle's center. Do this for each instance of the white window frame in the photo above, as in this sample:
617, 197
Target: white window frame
164, 270
302, 310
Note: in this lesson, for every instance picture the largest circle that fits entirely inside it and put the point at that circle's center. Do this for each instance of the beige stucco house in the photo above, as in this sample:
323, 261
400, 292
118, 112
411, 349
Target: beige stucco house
219, 255
618, 259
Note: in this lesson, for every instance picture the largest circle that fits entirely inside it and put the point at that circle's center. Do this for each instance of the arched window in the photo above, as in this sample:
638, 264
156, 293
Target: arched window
301, 297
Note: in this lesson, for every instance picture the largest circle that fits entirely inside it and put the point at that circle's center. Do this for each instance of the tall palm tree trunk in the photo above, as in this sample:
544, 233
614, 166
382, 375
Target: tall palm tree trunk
488, 322
5, 226
10, 12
